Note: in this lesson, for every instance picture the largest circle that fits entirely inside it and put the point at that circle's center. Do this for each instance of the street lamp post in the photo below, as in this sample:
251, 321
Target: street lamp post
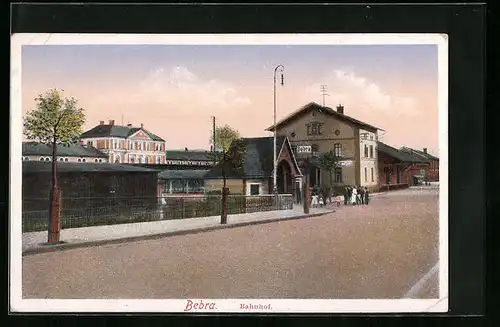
279, 68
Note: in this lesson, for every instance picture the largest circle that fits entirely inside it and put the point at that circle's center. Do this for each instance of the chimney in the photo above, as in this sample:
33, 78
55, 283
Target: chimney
425, 150
101, 122
185, 149
129, 125
340, 109
111, 122
142, 125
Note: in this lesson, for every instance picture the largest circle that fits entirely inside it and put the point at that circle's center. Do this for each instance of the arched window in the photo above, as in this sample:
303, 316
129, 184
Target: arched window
79, 160
61, 159
66, 159
146, 159
337, 149
117, 159
100, 160
96, 160
84, 160
132, 160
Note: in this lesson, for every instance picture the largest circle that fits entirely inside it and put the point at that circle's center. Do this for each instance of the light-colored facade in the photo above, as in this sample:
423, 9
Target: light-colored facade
368, 158
325, 129
126, 144
35, 151
65, 158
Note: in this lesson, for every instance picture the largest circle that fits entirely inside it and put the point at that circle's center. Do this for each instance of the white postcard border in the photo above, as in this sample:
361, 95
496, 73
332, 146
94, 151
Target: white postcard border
18, 304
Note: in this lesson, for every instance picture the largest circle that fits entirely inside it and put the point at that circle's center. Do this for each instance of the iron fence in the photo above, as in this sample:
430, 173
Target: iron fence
90, 211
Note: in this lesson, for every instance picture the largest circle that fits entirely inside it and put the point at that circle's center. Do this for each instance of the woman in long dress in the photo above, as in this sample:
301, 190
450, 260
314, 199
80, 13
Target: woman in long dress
354, 195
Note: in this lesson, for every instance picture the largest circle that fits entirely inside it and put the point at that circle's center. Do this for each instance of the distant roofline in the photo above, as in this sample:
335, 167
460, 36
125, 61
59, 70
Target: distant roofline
329, 110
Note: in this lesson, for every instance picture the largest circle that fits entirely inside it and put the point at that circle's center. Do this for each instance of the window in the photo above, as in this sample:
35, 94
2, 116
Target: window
84, 160
314, 149
26, 158
371, 137
338, 175
371, 151
314, 129
158, 159
254, 189
366, 174
372, 174
96, 160
89, 143
45, 159
148, 146
117, 159
100, 160
130, 145
79, 160
337, 149
132, 160
61, 159
294, 149
366, 151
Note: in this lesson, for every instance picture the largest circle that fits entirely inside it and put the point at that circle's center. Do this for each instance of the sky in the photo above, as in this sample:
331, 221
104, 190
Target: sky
174, 90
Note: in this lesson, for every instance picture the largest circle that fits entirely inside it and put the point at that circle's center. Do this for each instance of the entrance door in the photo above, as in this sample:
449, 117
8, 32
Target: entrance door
387, 176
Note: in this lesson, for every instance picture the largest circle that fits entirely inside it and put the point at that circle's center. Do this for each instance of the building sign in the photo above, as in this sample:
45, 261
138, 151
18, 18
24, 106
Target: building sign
189, 163
304, 149
345, 163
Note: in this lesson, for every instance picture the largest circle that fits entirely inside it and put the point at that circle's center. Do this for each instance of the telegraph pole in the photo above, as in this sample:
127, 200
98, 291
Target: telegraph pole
213, 136
324, 93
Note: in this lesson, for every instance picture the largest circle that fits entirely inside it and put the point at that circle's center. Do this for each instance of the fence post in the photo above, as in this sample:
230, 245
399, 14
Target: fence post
224, 211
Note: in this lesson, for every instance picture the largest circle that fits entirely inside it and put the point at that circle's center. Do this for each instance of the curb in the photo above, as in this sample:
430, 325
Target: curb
68, 246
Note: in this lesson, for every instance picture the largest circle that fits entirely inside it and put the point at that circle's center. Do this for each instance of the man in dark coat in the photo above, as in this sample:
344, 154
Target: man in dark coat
367, 196
346, 194
361, 191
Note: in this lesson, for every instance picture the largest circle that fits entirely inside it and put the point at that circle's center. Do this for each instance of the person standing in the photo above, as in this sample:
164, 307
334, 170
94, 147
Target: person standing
346, 194
367, 196
361, 195
354, 196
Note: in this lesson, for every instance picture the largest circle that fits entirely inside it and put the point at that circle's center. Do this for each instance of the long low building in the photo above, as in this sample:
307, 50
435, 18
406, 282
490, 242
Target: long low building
396, 167
35, 151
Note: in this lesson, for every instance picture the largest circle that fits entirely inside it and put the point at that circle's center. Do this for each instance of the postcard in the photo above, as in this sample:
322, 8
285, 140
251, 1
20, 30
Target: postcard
218, 173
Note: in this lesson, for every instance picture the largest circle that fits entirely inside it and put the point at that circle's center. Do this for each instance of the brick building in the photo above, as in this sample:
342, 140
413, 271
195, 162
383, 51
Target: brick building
396, 168
126, 144
429, 172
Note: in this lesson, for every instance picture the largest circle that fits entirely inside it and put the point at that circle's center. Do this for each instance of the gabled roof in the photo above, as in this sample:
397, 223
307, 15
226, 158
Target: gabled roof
188, 155
326, 110
419, 153
116, 131
397, 154
67, 167
73, 150
258, 161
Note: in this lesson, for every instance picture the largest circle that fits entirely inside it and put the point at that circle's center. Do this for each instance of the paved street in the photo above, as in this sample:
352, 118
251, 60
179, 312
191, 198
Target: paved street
375, 251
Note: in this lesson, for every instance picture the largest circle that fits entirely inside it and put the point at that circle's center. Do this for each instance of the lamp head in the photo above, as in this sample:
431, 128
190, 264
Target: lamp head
282, 80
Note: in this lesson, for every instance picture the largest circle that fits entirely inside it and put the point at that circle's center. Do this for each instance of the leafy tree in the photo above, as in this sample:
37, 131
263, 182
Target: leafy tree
229, 151
229, 155
55, 120
329, 161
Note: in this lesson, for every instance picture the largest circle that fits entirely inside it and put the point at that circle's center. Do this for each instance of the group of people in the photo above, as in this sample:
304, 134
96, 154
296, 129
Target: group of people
356, 195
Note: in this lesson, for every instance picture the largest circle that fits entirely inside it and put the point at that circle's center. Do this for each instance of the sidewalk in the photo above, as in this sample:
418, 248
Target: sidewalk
97, 235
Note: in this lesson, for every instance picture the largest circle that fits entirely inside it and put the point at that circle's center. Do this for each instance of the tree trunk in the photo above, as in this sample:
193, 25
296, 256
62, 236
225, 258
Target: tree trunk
54, 209
225, 193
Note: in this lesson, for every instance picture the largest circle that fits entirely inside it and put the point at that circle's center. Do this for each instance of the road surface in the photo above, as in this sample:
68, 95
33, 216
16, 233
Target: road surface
377, 251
